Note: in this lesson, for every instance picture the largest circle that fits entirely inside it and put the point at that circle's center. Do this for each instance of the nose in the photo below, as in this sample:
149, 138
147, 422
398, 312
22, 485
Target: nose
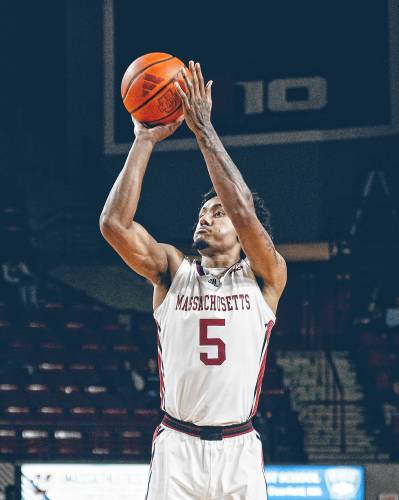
204, 220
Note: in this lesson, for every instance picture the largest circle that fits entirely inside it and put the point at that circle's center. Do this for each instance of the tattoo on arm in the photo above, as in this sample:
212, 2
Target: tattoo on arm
225, 176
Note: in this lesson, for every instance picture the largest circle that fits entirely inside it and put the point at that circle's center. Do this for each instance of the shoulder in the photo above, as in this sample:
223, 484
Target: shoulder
175, 258
279, 273
271, 292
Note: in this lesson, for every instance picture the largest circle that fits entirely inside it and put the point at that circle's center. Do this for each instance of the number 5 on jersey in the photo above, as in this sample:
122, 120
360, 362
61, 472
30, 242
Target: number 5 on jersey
205, 340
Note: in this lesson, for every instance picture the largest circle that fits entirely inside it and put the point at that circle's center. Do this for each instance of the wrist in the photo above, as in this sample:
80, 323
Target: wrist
205, 134
144, 140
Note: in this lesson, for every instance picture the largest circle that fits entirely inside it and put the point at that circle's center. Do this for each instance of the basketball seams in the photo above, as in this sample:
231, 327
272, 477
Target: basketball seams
142, 71
153, 122
156, 93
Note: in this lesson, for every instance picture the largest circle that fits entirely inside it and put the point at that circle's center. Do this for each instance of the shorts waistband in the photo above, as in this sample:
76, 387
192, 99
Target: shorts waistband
207, 432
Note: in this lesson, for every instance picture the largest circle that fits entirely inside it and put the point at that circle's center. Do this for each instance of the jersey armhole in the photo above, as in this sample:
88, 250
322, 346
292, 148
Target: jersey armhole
172, 284
256, 282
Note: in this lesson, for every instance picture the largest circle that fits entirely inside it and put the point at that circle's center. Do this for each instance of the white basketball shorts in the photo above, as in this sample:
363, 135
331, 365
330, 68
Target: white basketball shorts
184, 467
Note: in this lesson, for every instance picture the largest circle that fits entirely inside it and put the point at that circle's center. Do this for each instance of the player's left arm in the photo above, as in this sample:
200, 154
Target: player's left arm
236, 197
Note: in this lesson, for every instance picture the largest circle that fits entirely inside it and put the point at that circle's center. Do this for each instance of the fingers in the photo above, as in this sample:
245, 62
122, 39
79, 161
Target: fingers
193, 71
195, 85
200, 79
136, 123
208, 90
178, 122
188, 82
183, 95
138, 126
171, 127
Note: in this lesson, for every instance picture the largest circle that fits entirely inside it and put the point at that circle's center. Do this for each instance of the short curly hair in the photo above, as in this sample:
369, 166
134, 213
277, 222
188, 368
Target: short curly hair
262, 212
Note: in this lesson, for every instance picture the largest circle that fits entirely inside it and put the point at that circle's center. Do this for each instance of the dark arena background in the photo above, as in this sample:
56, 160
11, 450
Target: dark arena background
306, 100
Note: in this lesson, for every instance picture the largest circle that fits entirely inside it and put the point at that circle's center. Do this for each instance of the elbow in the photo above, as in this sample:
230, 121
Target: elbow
112, 228
108, 226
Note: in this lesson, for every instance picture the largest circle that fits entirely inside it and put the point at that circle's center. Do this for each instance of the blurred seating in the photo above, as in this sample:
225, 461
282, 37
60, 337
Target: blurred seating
377, 356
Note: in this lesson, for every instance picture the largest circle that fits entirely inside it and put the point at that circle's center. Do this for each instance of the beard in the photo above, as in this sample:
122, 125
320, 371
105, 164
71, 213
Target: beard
199, 244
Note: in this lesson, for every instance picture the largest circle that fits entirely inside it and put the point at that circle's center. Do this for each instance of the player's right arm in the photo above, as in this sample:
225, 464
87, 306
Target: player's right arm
129, 239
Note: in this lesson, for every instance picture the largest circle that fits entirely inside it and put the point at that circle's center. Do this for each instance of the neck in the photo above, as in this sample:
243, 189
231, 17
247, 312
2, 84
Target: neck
219, 260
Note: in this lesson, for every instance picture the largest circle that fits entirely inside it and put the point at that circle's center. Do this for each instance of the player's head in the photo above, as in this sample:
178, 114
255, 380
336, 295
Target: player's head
214, 232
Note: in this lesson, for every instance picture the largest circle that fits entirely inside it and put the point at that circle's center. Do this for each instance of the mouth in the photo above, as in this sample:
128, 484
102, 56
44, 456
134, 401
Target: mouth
201, 231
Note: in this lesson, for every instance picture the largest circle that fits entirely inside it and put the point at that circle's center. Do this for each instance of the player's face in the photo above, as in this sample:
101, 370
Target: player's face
214, 229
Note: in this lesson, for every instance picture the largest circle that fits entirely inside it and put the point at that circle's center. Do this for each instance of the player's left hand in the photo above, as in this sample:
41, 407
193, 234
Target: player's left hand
197, 102
158, 133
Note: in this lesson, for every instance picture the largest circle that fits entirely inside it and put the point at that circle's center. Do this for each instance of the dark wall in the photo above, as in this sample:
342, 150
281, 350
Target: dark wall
312, 189
34, 83
33, 97
55, 104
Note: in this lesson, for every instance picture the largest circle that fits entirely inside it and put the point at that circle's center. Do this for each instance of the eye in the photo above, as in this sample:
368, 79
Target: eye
219, 213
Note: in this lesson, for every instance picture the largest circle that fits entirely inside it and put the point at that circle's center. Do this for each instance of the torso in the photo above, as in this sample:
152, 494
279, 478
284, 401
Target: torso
212, 345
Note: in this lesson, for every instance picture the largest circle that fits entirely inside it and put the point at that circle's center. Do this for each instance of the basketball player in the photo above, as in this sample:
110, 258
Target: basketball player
214, 318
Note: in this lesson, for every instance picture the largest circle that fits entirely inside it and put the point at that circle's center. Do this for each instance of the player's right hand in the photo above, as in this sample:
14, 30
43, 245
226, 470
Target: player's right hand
158, 133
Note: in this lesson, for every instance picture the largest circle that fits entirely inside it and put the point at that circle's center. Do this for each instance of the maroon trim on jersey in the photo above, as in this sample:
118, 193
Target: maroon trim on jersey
235, 267
198, 266
201, 431
262, 369
160, 371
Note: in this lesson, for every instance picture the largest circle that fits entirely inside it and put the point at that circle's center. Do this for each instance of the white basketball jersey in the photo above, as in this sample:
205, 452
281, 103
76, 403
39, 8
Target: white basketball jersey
212, 345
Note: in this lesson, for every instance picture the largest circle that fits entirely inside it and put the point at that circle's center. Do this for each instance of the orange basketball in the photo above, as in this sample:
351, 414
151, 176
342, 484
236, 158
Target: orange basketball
148, 90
